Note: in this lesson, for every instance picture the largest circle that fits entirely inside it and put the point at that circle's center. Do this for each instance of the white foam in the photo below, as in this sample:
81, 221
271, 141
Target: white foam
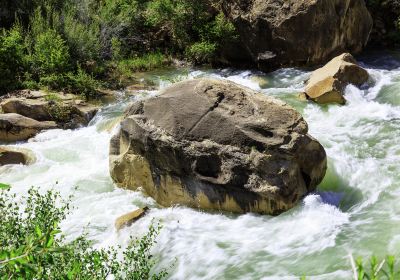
362, 140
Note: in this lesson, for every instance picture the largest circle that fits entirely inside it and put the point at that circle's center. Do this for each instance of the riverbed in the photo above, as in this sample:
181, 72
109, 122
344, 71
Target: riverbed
355, 210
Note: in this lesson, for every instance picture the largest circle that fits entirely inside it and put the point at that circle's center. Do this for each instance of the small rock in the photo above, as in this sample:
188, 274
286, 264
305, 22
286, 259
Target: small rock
15, 127
327, 84
262, 82
130, 218
10, 155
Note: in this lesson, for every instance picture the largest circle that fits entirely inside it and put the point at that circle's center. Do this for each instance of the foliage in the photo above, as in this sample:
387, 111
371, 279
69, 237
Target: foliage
50, 54
59, 111
83, 83
69, 45
142, 63
123, 70
12, 58
375, 270
201, 52
33, 247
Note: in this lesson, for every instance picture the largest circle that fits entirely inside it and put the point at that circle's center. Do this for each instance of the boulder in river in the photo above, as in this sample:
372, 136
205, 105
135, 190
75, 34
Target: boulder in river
275, 33
15, 127
215, 145
131, 217
12, 155
327, 84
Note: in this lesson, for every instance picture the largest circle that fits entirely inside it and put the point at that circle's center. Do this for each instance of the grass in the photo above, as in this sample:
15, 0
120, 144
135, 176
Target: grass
375, 269
124, 69
145, 62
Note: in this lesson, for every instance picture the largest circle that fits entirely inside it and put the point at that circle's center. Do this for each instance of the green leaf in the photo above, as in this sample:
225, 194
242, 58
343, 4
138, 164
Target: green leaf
50, 242
4, 186
38, 231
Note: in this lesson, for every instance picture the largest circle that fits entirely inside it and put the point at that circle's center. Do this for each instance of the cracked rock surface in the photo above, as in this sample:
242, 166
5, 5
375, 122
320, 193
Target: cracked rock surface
215, 145
276, 33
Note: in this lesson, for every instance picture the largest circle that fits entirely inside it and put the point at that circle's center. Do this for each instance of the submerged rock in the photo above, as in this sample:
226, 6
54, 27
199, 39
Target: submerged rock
130, 218
213, 144
327, 84
11, 155
15, 127
275, 33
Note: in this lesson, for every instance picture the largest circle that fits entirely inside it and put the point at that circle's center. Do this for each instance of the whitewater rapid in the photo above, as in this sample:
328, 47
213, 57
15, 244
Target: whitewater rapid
355, 210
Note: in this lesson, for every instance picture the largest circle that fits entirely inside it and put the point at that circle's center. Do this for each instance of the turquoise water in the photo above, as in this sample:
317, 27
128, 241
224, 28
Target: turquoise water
355, 210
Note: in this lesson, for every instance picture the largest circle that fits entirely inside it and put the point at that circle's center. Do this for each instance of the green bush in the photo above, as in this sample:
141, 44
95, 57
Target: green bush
82, 83
105, 38
125, 68
201, 52
181, 19
50, 54
220, 30
12, 59
82, 38
32, 245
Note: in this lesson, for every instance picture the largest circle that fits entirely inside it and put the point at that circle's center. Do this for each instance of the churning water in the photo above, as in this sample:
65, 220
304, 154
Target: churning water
355, 210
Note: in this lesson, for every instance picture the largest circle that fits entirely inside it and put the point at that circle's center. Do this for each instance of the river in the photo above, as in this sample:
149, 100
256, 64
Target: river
355, 210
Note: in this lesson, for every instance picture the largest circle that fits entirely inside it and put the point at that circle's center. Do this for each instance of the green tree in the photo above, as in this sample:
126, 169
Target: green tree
12, 59
50, 54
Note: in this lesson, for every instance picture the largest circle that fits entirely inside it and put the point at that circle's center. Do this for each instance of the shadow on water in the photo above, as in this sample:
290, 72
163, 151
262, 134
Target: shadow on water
378, 59
334, 190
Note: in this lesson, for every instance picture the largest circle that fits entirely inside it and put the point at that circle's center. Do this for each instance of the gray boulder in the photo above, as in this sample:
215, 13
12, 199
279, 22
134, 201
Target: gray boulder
215, 145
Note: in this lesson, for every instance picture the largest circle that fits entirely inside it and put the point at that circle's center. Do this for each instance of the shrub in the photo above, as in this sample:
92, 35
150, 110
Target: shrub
146, 62
220, 30
201, 52
53, 81
182, 19
82, 38
118, 35
12, 59
50, 54
82, 83
33, 247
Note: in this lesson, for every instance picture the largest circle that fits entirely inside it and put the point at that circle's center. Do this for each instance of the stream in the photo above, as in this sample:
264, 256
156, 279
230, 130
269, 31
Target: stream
355, 210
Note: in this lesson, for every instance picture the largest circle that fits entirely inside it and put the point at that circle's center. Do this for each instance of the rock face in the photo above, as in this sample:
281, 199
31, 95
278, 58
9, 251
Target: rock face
327, 84
14, 127
298, 32
385, 16
9, 155
216, 145
65, 110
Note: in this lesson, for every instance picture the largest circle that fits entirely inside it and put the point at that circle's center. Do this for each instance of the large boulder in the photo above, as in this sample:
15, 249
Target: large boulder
65, 109
12, 155
327, 84
298, 32
213, 144
14, 127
